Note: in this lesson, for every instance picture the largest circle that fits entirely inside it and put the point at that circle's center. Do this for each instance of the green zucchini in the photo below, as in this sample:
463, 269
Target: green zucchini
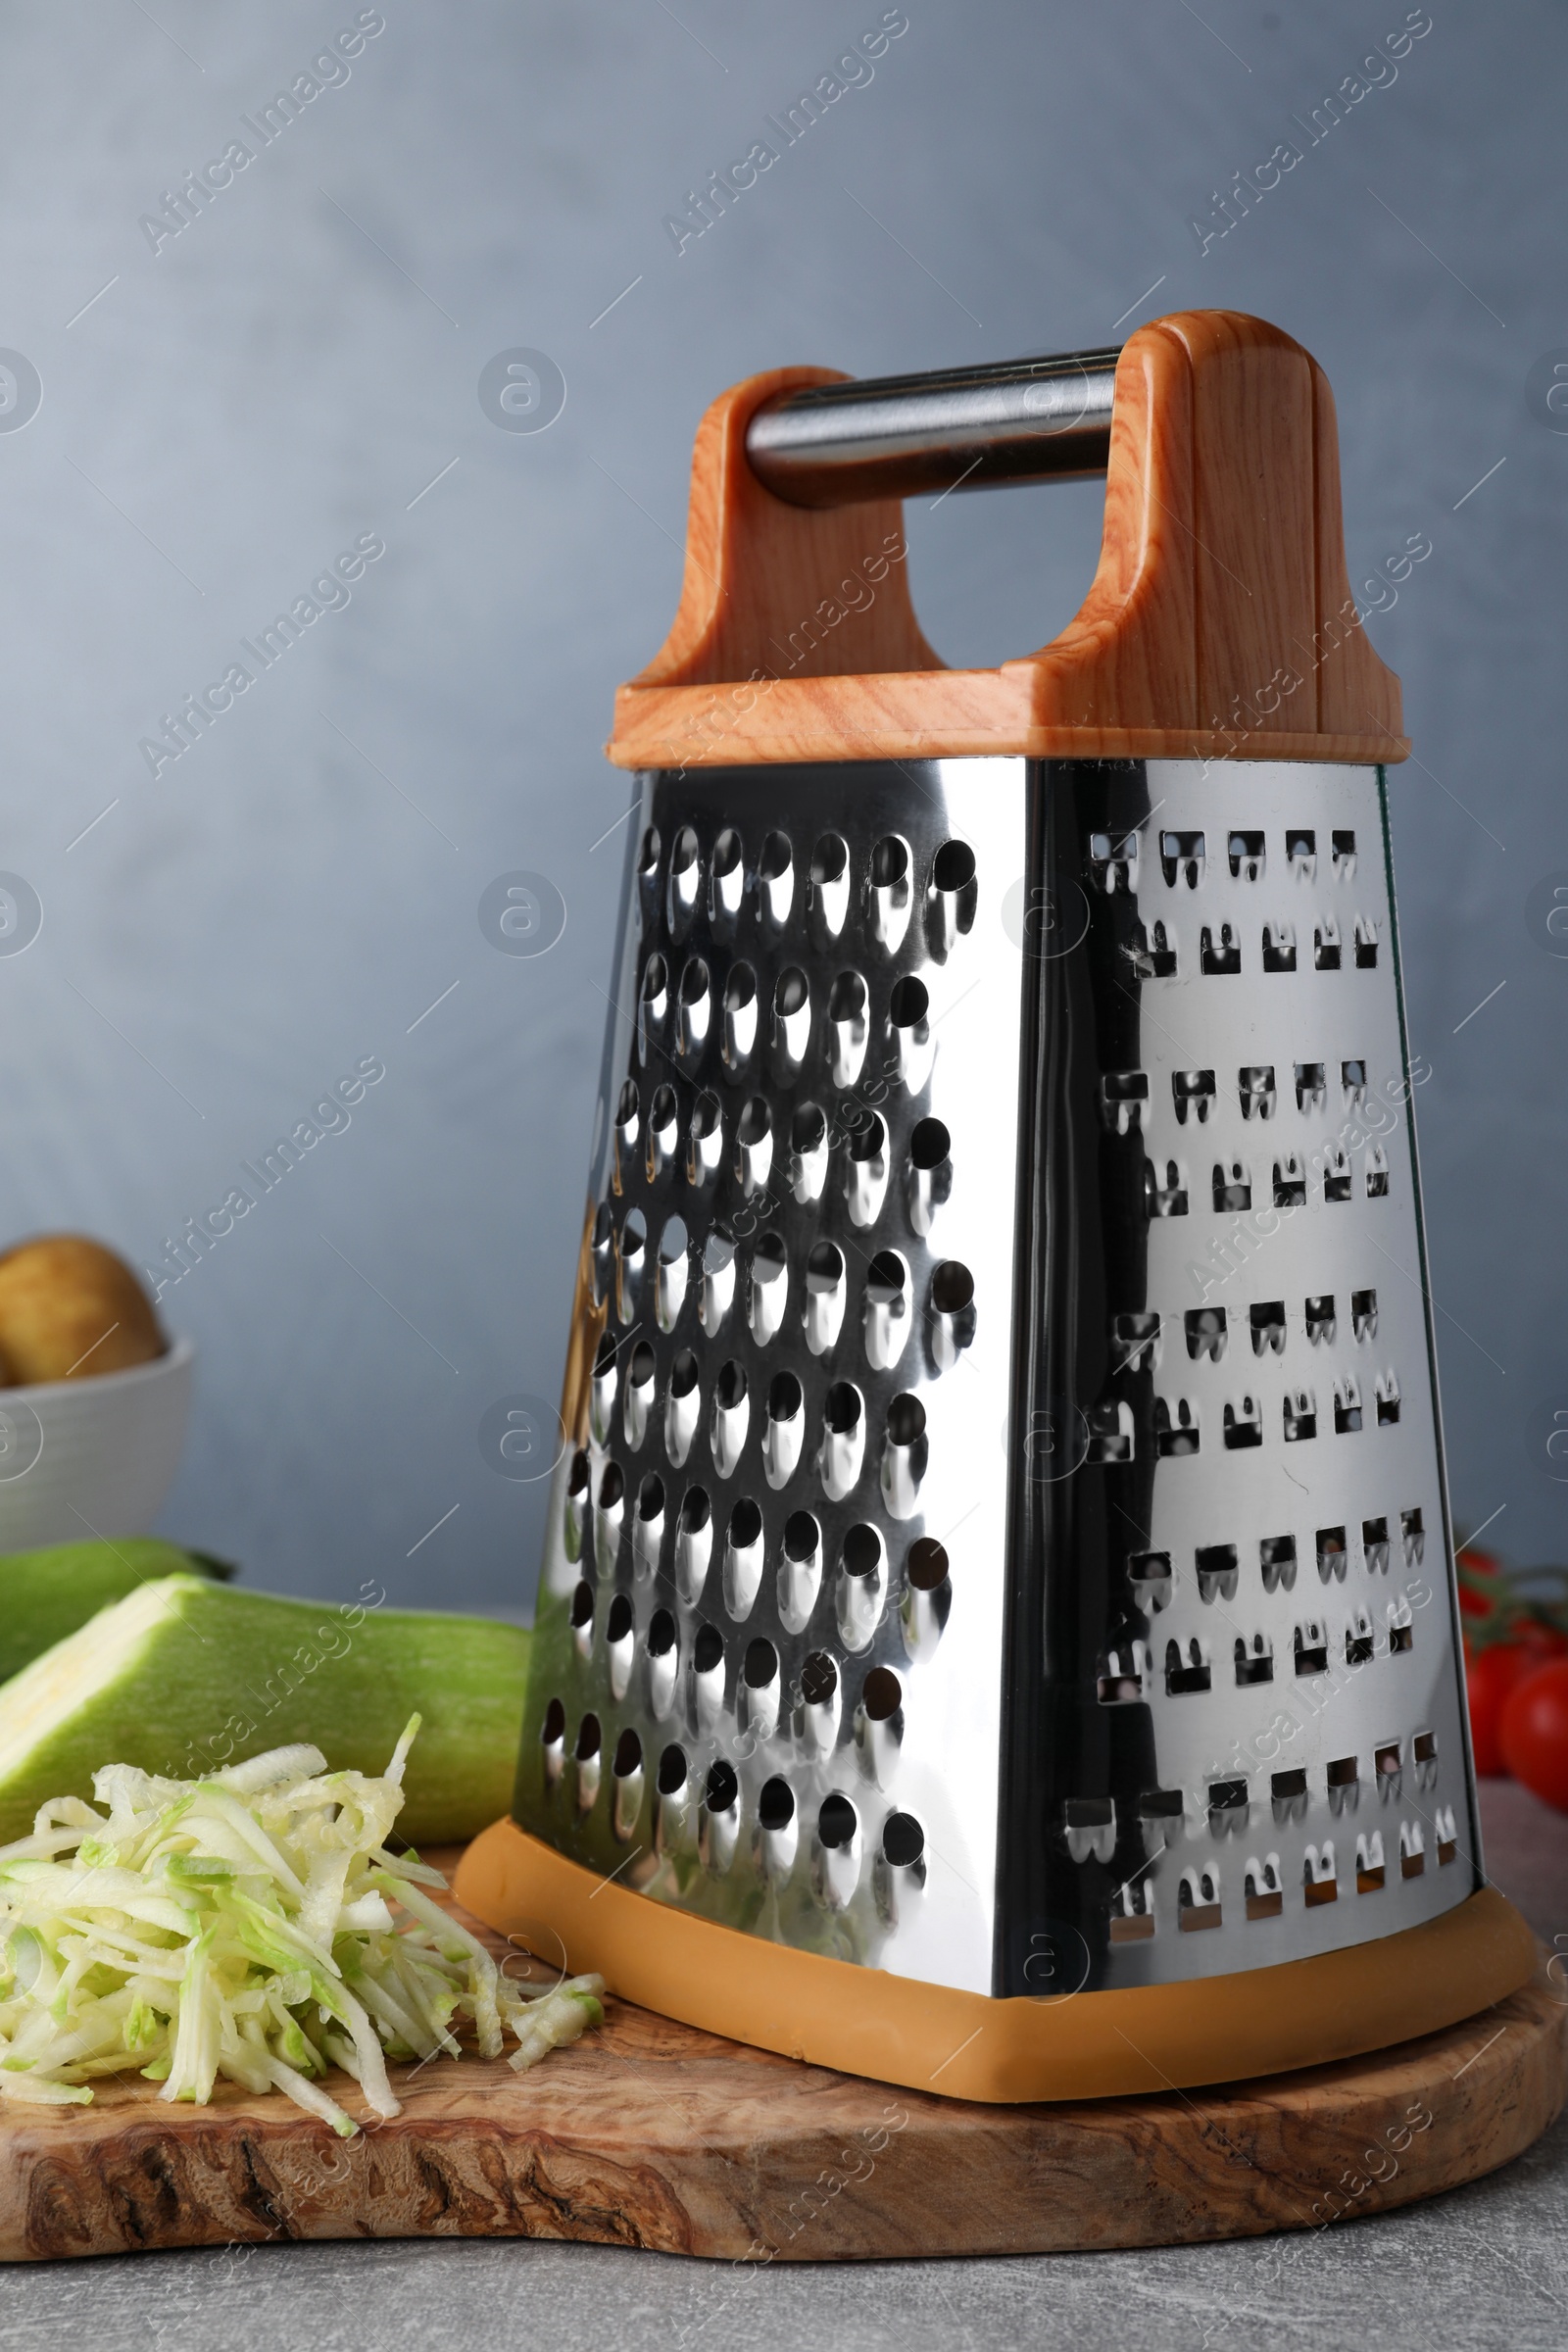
46, 1594
184, 1675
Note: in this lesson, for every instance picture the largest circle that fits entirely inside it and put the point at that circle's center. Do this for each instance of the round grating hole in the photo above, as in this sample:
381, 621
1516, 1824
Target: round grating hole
952, 1288
905, 1419
863, 1550
707, 1650
802, 1536
927, 1564
883, 1694
820, 1679
838, 1821
953, 867
902, 1839
842, 1407
930, 1143
775, 1805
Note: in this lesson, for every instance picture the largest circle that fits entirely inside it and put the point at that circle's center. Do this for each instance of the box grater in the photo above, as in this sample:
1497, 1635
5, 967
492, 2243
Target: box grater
1000, 1545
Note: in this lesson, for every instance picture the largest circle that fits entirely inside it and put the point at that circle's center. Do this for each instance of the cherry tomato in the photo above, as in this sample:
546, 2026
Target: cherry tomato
1490, 1677
1482, 1564
1534, 1733
1541, 1642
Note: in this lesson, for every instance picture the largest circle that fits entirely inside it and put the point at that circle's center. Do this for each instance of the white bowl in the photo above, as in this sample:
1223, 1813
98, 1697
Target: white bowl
92, 1457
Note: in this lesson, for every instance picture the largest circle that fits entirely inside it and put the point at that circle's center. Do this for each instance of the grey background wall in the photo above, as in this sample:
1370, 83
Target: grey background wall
299, 366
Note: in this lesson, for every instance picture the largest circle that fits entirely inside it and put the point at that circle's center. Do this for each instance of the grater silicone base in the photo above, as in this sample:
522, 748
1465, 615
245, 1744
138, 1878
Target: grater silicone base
967, 2045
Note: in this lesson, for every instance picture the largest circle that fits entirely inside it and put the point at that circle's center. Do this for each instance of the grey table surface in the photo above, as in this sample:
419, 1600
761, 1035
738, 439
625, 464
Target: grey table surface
1486, 2265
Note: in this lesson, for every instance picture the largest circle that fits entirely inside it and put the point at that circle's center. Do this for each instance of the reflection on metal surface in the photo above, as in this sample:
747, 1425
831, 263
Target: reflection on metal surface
1069, 1466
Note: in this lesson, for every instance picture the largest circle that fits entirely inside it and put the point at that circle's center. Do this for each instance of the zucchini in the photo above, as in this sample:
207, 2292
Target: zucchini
184, 1675
46, 1594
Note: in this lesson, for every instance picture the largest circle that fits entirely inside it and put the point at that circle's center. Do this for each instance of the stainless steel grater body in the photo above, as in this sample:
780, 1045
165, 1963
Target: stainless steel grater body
1003, 1538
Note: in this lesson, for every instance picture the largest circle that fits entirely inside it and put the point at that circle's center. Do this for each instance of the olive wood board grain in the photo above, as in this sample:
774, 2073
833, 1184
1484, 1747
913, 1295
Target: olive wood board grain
648, 2134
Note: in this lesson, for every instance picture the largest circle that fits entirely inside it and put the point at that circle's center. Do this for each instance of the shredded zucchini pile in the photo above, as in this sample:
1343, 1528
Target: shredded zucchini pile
245, 1926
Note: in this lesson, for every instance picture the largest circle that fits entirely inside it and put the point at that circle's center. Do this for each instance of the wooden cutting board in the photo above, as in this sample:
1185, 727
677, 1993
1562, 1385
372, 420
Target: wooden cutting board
648, 2134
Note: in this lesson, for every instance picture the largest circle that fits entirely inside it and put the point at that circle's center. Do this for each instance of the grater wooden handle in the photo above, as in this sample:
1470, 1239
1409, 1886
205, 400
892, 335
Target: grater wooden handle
1219, 624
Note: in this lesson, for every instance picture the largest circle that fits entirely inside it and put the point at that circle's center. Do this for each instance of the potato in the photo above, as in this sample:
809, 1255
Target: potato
71, 1309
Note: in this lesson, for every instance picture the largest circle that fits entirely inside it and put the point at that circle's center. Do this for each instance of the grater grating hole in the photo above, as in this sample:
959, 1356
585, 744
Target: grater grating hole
927, 1566
740, 1017
745, 1523
837, 1821
761, 1665
775, 872
888, 894
803, 1537
648, 857
950, 901
604, 1243
707, 1650
639, 1378
848, 1028
1277, 1560
722, 1787
651, 1499
590, 1738
905, 1420
841, 1409
863, 1550
775, 1804
728, 877
662, 1632
554, 1728
627, 1107
706, 1116
785, 1397
929, 1144
663, 1117
632, 1257
890, 863
731, 1416
827, 895
683, 1376
685, 880
809, 1128
582, 1608
1332, 1555
882, 1694
908, 1003
952, 1287
903, 1840
628, 1754
830, 861
693, 1010
673, 1771
820, 1679
696, 1510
